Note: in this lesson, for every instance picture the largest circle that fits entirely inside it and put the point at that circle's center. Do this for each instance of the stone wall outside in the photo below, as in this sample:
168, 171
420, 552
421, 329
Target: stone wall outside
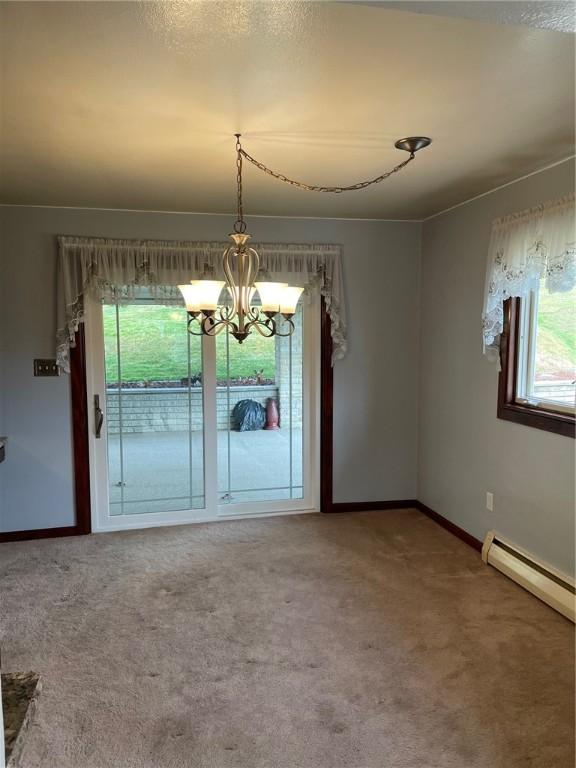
283, 376
174, 410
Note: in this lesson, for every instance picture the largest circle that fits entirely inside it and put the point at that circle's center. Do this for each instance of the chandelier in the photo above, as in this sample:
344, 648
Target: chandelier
207, 316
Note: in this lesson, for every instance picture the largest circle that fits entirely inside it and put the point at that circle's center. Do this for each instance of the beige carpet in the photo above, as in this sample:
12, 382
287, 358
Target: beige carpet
373, 640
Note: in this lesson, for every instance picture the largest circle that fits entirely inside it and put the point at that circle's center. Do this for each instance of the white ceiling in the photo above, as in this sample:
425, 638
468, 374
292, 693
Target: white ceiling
134, 105
549, 14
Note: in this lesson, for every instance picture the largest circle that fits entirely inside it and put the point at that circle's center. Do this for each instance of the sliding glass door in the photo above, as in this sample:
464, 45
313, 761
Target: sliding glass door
197, 428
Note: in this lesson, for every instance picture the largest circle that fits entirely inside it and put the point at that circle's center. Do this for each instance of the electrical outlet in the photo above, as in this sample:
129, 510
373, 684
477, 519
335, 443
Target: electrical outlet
46, 368
490, 501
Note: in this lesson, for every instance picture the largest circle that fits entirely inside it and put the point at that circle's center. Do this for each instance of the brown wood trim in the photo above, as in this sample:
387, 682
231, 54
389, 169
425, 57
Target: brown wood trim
81, 464
368, 506
550, 421
466, 537
79, 397
508, 408
326, 411
40, 533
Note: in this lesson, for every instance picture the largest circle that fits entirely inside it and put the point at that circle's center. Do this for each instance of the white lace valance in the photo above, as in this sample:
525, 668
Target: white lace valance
117, 267
524, 248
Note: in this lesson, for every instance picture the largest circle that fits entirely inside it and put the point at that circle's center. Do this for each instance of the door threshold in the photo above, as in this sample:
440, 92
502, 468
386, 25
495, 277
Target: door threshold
138, 526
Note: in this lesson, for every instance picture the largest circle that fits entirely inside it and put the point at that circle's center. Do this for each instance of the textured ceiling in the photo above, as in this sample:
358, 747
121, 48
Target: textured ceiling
134, 105
550, 14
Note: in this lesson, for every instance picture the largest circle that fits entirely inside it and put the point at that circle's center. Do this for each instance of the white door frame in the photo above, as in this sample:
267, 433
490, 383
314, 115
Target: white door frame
102, 521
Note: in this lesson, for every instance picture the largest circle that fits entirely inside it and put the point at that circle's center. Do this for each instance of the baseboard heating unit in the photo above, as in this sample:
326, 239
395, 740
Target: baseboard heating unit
548, 584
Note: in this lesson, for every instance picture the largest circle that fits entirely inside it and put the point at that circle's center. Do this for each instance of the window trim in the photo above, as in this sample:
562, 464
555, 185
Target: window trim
509, 408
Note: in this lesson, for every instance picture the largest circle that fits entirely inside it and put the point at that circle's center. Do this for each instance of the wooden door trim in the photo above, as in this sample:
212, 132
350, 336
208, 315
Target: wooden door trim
80, 421
326, 412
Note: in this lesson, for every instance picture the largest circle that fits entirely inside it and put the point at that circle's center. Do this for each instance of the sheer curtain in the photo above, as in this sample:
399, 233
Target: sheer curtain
116, 268
524, 248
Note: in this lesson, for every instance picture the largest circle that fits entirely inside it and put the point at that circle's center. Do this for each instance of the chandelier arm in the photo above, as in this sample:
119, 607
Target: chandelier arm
230, 277
254, 266
205, 325
224, 322
259, 325
191, 320
226, 312
243, 268
291, 330
208, 326
214, 330
313, 188
254, 314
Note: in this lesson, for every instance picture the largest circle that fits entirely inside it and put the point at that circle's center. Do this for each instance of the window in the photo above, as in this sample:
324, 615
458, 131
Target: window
538, 351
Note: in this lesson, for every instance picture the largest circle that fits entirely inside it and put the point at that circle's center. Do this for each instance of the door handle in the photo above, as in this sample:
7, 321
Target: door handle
98, 416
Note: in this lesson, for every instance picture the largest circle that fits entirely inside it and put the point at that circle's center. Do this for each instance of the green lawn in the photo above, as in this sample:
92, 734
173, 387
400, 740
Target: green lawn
154, 347
556, 342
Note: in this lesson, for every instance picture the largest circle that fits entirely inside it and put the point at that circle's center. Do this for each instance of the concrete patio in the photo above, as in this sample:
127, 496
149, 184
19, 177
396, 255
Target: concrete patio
163, 471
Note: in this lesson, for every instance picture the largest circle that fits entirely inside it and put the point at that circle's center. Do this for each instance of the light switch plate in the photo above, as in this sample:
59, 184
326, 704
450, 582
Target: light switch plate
46, 367
490, 501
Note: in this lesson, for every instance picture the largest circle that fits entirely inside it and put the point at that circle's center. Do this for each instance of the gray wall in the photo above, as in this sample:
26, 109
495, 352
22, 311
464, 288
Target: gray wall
464, 450
375, 419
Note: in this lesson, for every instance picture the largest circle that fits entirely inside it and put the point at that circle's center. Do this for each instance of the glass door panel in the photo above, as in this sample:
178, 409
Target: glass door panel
260, 458
154, 409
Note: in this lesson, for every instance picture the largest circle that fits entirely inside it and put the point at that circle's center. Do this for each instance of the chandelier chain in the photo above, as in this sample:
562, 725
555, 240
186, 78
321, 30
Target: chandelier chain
240, 224
311, 187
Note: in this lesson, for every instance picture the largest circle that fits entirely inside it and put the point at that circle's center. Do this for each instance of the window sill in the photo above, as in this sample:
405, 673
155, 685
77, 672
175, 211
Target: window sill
539, 418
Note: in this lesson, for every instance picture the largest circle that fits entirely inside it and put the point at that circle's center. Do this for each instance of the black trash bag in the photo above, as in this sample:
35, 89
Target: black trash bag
248, 415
